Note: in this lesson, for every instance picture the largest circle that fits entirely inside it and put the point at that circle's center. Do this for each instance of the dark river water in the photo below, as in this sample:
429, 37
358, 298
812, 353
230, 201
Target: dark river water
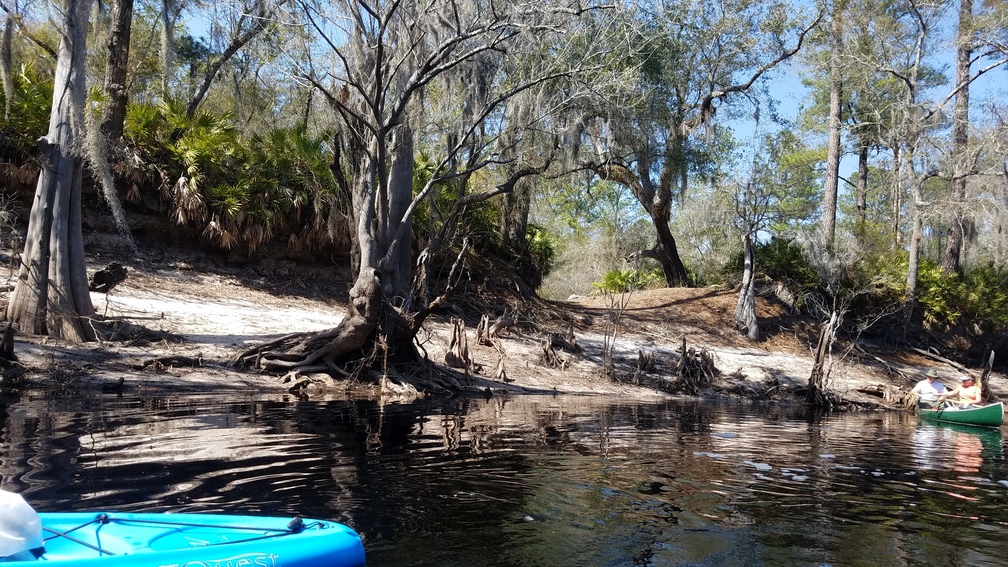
533, 481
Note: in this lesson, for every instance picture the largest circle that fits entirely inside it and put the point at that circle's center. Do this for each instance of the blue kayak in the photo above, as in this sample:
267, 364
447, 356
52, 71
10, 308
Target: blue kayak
92, 539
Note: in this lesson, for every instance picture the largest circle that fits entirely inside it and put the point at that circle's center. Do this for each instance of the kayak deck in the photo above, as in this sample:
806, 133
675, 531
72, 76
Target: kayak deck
192, 540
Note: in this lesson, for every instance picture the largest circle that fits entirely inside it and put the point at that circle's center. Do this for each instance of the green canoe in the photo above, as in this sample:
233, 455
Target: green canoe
990, 415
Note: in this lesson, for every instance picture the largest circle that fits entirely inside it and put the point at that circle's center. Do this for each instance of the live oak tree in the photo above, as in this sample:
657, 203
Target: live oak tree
693, 61
51, 293
402, 76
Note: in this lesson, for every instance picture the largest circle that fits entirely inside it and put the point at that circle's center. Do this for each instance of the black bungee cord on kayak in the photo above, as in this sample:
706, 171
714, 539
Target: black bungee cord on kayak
295, 526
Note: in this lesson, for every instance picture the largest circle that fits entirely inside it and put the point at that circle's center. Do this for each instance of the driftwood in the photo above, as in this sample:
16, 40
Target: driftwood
896, 396
818, 391
164, 363
500, 325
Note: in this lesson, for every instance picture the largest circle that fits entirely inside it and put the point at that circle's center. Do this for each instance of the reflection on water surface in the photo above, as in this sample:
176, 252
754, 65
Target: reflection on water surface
534, 480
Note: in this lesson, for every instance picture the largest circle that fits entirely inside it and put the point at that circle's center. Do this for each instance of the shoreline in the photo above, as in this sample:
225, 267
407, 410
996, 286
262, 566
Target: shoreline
175, 330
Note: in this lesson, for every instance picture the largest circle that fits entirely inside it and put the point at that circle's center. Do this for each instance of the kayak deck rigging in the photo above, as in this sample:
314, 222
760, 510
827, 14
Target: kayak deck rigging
296, 525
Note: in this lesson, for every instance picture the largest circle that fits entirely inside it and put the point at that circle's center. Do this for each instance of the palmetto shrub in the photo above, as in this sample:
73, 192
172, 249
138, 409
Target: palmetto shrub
242, 192
28, 116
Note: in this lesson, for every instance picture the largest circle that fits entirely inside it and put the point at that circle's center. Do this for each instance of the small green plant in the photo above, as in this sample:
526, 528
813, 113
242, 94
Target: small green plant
623, 281
617, 286
542, 249
986, 298
976, 301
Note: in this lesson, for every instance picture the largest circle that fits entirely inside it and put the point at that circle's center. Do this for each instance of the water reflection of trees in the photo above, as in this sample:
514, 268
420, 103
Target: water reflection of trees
720, 481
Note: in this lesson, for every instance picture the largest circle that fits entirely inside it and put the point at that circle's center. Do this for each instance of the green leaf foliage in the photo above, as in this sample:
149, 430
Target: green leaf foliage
542, 249
779, 260
986, 298
626, 280
976, 302
245, 192
28, 119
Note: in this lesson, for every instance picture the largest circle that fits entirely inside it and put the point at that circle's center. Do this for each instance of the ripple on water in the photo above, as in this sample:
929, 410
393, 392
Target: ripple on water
520, 481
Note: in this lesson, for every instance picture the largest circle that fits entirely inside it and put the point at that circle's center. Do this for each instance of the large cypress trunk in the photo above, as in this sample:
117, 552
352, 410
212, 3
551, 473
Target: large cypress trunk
51, 294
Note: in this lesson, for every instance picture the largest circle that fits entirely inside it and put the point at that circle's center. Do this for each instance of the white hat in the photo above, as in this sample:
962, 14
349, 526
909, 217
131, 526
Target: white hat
20, 526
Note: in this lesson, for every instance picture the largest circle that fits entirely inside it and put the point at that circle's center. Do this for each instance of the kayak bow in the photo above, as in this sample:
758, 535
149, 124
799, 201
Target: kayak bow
108, 539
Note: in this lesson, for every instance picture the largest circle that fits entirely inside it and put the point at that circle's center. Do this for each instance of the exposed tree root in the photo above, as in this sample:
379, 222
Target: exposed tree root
645, 364
458, 349
985, 392
333, 349
550, 357
695, 369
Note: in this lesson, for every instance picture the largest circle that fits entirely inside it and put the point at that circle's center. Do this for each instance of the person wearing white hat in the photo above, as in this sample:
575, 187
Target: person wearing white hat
927, 390
968, 392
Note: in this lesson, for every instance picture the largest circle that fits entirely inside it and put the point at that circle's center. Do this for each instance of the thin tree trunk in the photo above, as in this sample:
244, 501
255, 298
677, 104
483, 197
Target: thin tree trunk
7, 63
214, 67
116, 67
861, 198
960, 138
745, 308
169, 15
51, 294
913, 264
1002, 222
897, 195
832, 180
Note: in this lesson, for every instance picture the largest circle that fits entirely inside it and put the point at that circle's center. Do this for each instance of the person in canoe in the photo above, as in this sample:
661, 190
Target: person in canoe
968, 392
927, 390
